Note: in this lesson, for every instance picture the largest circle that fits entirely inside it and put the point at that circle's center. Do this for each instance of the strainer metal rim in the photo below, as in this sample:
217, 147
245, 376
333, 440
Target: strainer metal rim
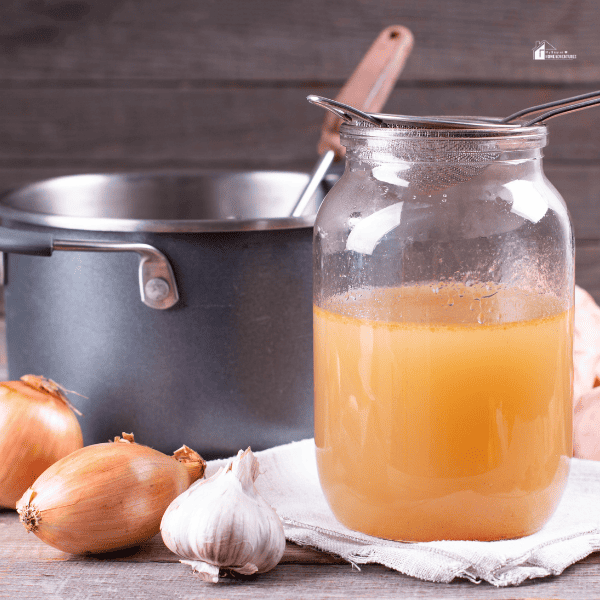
409, 127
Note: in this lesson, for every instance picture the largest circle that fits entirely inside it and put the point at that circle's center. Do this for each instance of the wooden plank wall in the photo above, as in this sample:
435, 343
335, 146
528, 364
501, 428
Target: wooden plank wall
113, 85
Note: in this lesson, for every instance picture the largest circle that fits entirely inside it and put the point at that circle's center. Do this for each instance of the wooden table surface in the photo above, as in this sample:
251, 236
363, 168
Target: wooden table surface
31, 569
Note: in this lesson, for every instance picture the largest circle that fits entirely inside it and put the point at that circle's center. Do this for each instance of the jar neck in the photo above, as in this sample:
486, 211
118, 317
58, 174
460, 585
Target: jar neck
442, 145
427, 166
366, 156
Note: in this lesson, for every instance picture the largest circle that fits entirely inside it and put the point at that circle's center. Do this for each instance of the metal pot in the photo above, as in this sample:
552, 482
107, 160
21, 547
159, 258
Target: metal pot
218, 352
208, 344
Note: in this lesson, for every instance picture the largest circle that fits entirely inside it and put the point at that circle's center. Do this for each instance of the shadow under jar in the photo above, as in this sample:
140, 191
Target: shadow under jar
443, 324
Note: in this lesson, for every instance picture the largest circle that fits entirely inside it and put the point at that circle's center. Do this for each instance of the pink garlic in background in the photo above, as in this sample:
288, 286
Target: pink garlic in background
586, 398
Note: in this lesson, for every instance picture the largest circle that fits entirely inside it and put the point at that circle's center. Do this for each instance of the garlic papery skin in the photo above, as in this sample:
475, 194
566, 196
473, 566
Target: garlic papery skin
224, 523
106, 496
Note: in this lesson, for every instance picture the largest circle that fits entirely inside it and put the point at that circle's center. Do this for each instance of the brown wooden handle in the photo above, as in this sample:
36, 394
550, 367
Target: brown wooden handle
371, 83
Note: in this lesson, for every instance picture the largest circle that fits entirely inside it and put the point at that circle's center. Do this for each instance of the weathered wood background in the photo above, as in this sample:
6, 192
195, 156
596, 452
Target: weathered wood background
105, 85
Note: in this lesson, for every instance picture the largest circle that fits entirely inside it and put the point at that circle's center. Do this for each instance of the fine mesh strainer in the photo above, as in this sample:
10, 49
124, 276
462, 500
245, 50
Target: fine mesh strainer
457, 148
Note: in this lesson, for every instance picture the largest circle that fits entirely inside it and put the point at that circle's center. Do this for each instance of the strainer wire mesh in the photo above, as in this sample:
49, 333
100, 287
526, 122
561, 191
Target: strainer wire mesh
439, 157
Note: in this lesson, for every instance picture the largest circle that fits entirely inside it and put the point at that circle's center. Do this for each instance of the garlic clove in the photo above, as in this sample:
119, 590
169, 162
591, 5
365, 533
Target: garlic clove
208, 573
224, 523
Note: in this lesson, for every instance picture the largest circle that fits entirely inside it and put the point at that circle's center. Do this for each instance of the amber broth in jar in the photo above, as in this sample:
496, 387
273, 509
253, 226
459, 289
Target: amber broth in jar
443, 415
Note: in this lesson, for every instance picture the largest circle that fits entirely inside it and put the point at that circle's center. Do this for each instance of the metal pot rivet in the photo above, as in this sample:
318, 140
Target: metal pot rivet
156, 289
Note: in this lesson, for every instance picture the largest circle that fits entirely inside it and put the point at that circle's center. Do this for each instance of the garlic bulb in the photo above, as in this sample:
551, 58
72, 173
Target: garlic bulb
223, 522
37, 427
106, 496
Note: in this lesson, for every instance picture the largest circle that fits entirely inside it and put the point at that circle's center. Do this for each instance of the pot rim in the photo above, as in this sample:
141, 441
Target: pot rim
9, 212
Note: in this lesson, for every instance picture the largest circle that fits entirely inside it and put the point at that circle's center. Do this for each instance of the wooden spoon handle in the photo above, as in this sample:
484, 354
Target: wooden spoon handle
371, 83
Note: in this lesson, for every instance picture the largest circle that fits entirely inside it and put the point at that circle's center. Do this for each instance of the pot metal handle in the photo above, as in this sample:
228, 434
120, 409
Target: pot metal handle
157, 282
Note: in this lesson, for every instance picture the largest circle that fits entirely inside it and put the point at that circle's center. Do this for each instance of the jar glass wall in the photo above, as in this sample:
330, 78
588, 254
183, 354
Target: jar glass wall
443, 295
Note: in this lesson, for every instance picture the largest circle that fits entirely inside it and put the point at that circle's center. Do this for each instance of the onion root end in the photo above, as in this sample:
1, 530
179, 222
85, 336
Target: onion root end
30, 516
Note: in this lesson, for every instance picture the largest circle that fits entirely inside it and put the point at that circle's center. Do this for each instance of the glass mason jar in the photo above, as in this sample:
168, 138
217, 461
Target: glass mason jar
443, 320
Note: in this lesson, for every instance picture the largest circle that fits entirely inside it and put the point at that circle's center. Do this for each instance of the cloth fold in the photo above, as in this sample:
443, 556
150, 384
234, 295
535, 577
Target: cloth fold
289, 482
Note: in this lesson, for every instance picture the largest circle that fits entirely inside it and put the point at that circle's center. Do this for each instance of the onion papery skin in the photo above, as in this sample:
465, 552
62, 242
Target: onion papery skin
104, 497
37, 428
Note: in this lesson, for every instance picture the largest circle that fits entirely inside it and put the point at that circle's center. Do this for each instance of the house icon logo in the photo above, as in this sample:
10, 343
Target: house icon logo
544, 50
540, 49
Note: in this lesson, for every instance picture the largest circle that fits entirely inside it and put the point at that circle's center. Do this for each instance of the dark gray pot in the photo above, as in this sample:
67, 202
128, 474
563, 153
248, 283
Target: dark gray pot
227, 365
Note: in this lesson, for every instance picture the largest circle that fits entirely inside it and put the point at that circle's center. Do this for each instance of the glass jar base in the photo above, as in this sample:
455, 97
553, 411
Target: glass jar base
461, 516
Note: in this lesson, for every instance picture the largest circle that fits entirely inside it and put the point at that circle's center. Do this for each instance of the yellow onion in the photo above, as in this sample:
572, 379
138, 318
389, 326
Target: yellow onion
107, 496
37, 428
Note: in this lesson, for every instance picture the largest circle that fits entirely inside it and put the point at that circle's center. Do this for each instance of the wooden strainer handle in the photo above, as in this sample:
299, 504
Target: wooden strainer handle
371, 83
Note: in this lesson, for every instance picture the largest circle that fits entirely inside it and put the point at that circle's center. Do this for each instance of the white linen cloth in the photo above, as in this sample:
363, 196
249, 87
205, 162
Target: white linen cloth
289, 482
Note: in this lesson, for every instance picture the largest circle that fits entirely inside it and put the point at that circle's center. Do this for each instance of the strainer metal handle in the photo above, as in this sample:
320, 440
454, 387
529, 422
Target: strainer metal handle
563, 110
345, 111
539, 107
